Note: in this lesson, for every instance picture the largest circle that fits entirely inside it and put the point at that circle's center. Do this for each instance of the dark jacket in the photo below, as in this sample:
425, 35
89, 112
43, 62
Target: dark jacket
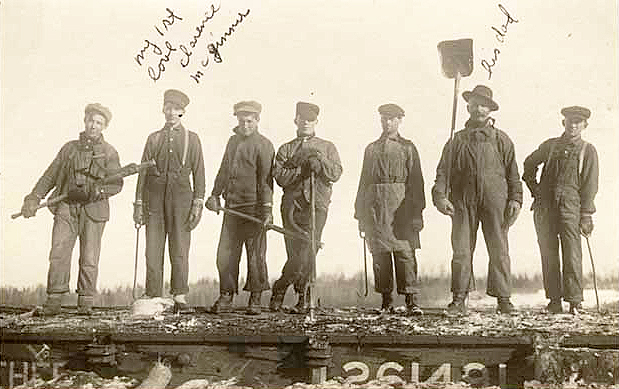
82, 162
244, 177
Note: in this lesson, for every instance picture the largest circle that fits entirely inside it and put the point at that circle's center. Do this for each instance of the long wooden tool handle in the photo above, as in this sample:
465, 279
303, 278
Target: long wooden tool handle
47, 203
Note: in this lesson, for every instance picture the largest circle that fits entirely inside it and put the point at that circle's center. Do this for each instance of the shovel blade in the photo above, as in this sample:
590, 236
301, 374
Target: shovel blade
456, 57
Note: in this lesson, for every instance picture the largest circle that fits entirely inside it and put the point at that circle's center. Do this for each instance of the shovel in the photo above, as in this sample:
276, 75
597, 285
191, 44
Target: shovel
456, 61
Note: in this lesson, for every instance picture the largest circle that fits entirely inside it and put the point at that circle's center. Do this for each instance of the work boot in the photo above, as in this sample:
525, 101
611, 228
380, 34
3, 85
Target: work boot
181, 305
412, 305
554, 306
84, 305
277, 299
386, 304
253, 306
302, 305
505, 306
576, 308
223, 303
457, 307
52, 304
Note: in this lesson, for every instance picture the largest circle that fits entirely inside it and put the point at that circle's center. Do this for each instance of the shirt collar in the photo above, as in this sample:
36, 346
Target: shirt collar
86, 138
178, 127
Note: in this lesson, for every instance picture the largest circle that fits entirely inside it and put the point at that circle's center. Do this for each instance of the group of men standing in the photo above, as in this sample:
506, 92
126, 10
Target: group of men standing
477, 181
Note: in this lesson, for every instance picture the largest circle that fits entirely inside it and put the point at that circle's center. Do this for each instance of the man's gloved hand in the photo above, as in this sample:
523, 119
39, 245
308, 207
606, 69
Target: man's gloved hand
362, 227
314, 164
29, 208
417, 223
536, 192
266, 214
78, 195
511, 212
138, 213
195, 214
586, 225
96, 193
445, 207
213, 204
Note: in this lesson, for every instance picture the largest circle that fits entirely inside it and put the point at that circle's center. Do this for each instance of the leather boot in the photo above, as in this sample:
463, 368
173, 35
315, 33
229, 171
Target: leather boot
223, 303
554, 306
181, 305
84, 305
253, 306
52, 304
387, 302
458, 306
277, 299
302, 304
412, 305
505, 306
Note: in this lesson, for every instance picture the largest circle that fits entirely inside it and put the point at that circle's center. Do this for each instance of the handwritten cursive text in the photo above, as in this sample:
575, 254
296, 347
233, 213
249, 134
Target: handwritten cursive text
500, 35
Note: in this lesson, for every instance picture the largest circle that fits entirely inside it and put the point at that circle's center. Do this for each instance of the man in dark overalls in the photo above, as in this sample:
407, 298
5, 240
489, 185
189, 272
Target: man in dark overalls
294, 163
389, 205
563, 206
480, 165
75, 172
165, 200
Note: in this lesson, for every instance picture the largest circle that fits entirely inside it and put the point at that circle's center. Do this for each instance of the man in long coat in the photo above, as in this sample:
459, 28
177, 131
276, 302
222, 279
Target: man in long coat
76, 172
477, 181
389, 205
166, 201
563, 206
294, 163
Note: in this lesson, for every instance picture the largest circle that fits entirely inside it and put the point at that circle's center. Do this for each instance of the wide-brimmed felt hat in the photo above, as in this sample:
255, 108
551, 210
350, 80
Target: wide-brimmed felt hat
485, 94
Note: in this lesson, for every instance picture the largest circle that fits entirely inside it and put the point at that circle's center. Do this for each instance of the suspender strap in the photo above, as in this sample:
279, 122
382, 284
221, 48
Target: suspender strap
185, 147
581, 157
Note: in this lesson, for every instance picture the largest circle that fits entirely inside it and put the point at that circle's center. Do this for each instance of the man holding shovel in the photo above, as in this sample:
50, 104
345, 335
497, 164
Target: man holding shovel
477, 181
76, 173
245, 182
563, 206
166, 201
389, 205
296, 162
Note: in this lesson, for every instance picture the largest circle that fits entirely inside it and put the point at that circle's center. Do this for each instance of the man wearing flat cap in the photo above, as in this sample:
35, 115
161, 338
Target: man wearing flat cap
76, 172
477, 181
563, 206
167, 202
245, 182
294, 163
389, 205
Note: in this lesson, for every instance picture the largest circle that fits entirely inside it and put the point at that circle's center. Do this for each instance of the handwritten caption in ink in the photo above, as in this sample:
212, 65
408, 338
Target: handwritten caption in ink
500, 35
155, 56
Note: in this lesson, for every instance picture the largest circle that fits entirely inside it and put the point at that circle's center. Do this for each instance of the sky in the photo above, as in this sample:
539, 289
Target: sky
348, 57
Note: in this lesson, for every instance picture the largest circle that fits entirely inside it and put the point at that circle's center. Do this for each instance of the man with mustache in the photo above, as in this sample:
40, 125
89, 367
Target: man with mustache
477, 181
563, 206
166, 201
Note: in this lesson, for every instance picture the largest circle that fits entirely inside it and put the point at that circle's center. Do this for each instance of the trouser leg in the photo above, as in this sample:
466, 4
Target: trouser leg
229, 254
179, 240
64, 234
256, 247
495, 235
548, 240
383, 271
302, 219
571, 250
406, 271
90, 233
155, 244
463, 238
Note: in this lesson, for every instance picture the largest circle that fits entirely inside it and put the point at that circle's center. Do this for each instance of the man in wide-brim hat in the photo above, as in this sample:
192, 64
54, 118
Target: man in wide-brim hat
563, 206
477, 181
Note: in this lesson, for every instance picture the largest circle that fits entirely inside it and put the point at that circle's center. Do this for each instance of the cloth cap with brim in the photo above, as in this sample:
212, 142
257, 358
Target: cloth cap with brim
175, 97
483, 93
577, 112
391, 110
307, 111
247, 106
98, 108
